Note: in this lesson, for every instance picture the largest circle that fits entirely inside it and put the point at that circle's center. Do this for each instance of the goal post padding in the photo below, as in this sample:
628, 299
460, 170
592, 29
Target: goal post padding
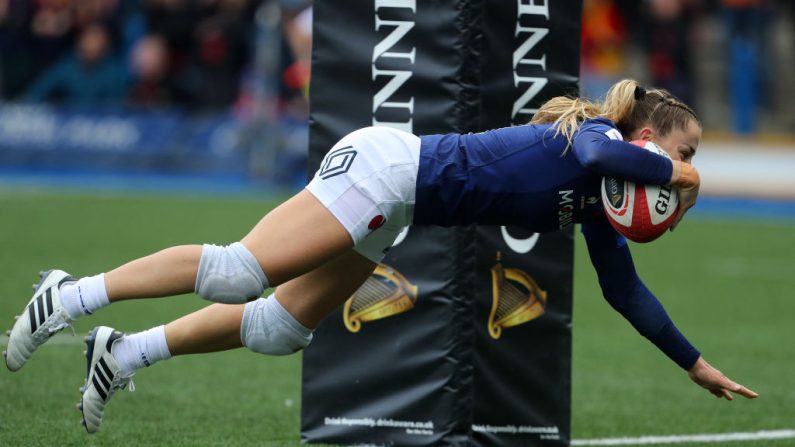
463, 335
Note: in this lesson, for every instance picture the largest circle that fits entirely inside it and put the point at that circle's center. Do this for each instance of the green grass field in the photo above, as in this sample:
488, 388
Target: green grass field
727, 284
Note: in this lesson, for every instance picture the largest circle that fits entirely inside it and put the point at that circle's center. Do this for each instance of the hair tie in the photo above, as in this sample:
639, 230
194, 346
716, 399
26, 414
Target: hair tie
640, 93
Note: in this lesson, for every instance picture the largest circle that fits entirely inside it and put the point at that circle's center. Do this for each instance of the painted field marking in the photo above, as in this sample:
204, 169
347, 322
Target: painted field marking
699, 438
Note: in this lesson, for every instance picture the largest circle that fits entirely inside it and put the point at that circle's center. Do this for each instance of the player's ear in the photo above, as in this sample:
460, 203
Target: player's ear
646, 134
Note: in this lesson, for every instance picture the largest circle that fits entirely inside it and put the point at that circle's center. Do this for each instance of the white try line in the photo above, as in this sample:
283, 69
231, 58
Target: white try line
700, 438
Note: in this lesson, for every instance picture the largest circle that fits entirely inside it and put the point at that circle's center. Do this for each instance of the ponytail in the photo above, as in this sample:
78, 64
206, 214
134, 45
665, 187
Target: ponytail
620, 104
566, 113
626, 104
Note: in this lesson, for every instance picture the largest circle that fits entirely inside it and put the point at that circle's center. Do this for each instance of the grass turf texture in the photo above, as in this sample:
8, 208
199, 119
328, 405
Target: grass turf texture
727, 285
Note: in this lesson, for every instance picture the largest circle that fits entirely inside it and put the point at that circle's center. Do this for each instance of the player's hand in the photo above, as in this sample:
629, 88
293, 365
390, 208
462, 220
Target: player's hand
716, 383
687, 198
686, 178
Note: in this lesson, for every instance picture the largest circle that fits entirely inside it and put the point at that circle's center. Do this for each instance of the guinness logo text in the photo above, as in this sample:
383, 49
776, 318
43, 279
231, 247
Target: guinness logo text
393, 61
529, 67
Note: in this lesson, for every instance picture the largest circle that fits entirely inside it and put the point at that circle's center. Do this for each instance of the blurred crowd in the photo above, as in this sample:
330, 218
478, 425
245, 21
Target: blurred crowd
731, 59
193, 54
721, 56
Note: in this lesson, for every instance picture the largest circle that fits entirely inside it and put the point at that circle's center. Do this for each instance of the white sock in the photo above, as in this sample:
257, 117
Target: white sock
145, 348
84, 296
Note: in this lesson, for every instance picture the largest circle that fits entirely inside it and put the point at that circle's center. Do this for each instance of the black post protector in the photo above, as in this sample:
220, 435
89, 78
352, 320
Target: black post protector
464, 338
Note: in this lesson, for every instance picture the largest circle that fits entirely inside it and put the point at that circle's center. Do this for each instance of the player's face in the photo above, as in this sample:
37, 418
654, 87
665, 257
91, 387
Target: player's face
680, 144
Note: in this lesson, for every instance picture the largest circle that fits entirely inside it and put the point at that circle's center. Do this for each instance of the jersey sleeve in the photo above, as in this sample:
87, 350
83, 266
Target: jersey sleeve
627, 294
600, 148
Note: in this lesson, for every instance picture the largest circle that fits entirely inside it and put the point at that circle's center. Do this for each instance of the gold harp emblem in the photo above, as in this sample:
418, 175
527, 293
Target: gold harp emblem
516, 299
385, 293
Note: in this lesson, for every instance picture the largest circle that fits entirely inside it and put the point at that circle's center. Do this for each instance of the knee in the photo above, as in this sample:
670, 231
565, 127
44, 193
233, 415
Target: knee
229, 275
267, 328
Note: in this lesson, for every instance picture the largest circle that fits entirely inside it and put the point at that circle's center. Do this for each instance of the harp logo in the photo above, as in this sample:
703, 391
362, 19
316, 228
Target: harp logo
516, 299
337, 162
385, 293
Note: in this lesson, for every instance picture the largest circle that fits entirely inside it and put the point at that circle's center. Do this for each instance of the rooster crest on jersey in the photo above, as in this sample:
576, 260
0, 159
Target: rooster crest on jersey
641, 213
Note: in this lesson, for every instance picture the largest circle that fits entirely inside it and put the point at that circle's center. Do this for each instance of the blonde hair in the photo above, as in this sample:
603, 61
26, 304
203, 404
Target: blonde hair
626, 104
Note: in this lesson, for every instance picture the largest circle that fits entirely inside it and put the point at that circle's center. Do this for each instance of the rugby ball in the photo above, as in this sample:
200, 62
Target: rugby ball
641, 213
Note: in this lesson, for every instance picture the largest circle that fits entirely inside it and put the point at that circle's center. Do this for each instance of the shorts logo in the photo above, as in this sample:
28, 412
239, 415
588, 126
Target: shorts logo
376, 222
337, 162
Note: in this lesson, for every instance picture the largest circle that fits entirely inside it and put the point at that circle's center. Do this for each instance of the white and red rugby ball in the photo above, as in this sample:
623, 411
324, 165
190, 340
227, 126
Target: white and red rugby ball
641, 213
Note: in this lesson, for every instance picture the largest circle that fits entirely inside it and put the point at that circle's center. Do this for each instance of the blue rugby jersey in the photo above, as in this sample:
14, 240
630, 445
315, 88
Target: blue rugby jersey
523, 176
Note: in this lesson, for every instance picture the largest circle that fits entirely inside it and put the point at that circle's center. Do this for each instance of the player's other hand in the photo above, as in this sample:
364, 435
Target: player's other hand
706, 376
686, 178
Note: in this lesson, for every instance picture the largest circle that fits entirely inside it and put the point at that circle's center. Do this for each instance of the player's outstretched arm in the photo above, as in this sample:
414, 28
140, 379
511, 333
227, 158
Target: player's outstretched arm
706, 376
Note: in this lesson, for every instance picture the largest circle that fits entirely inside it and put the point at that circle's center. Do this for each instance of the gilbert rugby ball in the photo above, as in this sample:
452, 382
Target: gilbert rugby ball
641, 213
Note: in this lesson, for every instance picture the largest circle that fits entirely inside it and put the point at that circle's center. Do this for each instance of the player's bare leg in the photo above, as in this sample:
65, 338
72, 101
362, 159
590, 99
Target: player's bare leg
314, 295
297, 236
211, 329
274, 325
112, 357
168, 272
308, 298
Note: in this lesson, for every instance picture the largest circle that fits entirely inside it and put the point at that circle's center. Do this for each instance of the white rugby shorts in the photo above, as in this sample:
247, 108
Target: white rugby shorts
368, 182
